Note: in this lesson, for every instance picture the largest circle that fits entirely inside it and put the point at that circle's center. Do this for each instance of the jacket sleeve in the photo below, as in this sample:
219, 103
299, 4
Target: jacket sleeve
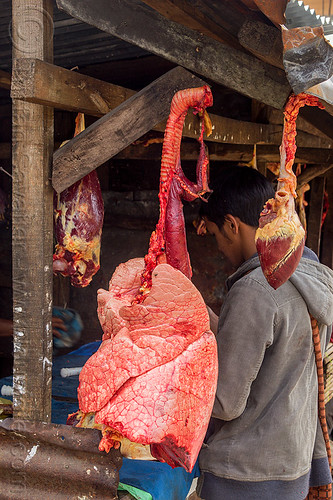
245, 331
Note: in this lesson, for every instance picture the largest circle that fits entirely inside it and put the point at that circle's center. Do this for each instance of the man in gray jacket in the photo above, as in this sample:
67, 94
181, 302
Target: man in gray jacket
264, 441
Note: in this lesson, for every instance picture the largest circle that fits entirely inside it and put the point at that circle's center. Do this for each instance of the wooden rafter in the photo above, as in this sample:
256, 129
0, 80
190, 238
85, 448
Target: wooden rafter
186, 14
136, 23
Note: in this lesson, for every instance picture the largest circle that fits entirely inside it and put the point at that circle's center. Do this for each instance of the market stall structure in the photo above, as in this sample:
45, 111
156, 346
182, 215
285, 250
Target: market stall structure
237, 49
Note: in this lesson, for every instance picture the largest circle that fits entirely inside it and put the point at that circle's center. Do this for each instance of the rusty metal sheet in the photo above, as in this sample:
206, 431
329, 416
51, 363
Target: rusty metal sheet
273, 9
307, 58
53, 461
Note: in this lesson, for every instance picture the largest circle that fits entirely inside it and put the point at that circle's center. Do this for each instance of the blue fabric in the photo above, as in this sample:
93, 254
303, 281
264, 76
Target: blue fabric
158, 479
73, 324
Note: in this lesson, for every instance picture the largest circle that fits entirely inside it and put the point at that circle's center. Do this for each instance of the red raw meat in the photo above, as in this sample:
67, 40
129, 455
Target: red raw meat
159, 364
79, 213
280, 237
153, 379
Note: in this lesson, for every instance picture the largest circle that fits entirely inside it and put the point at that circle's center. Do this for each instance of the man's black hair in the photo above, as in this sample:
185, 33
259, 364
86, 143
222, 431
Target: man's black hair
238, 191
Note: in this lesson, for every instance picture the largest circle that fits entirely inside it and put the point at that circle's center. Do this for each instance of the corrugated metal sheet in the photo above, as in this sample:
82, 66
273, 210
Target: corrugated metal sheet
75, 43
78, 44
55, 462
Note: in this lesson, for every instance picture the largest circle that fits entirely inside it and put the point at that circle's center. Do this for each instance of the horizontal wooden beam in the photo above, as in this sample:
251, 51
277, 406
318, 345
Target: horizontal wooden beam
118, 128
4, 79
43, 83
228, 130
138, 24
224, 152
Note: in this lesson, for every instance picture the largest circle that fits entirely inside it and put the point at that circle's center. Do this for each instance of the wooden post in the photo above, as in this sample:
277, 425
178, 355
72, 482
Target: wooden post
32, 33
315, 214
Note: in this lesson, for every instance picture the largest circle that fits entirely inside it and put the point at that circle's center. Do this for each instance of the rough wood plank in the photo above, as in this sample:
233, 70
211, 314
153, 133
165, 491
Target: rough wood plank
276, 116
321, 119
185, 13
129, 20
32, 223
43, 83
39, 82
4, 79
118, 128
312, 172
232, 131
227, 152
262, 40
315, 214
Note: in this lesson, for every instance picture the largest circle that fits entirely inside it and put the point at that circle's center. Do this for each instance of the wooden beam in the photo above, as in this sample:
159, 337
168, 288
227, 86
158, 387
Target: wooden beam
32, 203
43, 83
263, 41
228, 130
187, 14
118, 128
311, 173
227, 152
315, 214
321, 119
275, 116
129, 19
4, 79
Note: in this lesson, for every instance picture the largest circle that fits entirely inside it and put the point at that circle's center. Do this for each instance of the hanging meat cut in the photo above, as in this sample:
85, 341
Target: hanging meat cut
79, 213
153, 379
280, 237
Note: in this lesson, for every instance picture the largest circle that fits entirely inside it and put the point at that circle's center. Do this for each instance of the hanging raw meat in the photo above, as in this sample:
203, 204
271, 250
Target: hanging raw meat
153, 379
280, 237
79, 213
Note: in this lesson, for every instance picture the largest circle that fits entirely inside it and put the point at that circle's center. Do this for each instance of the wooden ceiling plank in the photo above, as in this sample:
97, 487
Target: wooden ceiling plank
118, 128
183, 12
136, 23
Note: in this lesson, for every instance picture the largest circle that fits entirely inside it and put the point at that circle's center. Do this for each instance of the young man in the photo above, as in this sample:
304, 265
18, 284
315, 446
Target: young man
264, 441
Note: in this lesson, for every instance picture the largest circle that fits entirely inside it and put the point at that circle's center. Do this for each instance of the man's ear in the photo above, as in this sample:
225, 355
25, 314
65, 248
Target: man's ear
232, 223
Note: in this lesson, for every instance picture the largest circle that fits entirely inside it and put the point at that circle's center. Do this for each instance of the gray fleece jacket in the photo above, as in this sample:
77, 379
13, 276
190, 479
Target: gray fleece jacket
265, 425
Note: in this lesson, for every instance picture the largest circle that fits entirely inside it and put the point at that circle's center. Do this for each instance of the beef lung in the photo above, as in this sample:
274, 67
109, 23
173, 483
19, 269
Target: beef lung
154, 377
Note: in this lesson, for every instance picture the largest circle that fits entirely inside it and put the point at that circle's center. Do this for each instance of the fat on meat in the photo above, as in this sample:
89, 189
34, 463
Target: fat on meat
154, 379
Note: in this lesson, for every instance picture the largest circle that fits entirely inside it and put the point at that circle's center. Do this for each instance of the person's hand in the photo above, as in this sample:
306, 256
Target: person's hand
58, 323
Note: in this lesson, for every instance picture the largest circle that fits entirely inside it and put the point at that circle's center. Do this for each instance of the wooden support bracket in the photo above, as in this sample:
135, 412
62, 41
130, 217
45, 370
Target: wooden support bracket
118, 128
